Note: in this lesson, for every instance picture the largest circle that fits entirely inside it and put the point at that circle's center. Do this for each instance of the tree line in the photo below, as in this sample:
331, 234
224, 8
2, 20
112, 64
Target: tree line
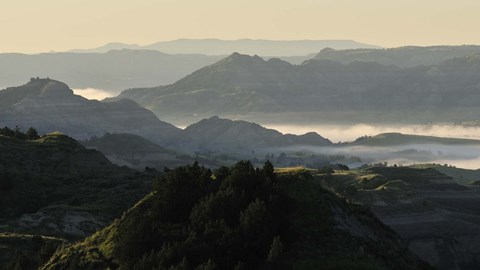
30, 134
230, 218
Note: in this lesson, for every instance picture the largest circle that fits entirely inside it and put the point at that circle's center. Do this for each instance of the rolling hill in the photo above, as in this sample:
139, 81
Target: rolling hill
50, 105
55, 180
409, 56
198, 219
221, 134
319, 91
137, 152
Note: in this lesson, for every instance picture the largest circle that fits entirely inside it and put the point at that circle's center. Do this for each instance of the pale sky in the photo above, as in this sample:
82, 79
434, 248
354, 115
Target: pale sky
57, 25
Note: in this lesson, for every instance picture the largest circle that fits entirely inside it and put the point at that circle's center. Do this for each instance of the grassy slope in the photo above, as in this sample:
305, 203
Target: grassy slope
461, 176
59, 176
123, 144
319, 242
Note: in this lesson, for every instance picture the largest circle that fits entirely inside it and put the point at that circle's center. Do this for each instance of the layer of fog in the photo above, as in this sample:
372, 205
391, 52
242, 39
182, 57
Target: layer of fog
350, 133
461, 156
93, 93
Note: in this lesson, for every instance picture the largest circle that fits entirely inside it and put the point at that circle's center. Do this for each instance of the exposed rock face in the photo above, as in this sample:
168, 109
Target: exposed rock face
50, 105
436, 217
218, 133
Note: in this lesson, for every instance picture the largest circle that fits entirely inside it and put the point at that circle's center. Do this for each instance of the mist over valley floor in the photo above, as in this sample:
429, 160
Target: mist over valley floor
304, 135
348, 133
406, 154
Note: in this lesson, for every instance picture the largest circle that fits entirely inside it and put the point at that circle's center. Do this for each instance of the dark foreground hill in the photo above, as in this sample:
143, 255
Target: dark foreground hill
53, 189
431, 211
50, 105
56, 178
319, 91
240, 218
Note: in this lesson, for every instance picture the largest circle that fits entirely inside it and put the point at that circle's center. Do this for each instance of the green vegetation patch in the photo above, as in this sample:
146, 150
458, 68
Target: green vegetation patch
240, 217
19, 251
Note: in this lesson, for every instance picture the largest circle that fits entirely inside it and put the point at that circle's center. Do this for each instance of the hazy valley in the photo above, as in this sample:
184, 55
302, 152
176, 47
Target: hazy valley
353, 158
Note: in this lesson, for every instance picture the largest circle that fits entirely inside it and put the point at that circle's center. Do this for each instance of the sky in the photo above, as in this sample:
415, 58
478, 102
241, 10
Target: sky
33, 26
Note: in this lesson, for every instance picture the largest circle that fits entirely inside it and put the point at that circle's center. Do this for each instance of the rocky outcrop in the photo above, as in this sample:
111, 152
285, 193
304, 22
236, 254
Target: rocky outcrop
436, 217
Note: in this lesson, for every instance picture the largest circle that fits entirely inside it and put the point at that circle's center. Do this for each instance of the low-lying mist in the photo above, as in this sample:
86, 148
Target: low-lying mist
93, 93
462, 156
342, 133
457, 155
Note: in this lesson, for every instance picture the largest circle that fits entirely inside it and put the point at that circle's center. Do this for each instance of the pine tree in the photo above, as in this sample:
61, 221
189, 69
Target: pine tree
276, 249
32, 134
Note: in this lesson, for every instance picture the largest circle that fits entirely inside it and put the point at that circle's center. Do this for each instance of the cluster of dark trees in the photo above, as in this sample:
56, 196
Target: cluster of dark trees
6, 181
229, 218
30, 134
37, 253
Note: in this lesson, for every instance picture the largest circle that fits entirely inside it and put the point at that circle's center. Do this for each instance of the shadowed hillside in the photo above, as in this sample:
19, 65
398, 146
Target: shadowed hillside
430, 210
240, 218
319, 91
56, 180
50, 105
51, 189
217, 133
137, 152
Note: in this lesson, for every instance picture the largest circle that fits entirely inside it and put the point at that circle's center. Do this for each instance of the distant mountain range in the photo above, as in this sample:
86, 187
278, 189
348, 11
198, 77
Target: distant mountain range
111, 71
409, 56
246, 46
319, 91
116, 66
119, 67
50, 105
